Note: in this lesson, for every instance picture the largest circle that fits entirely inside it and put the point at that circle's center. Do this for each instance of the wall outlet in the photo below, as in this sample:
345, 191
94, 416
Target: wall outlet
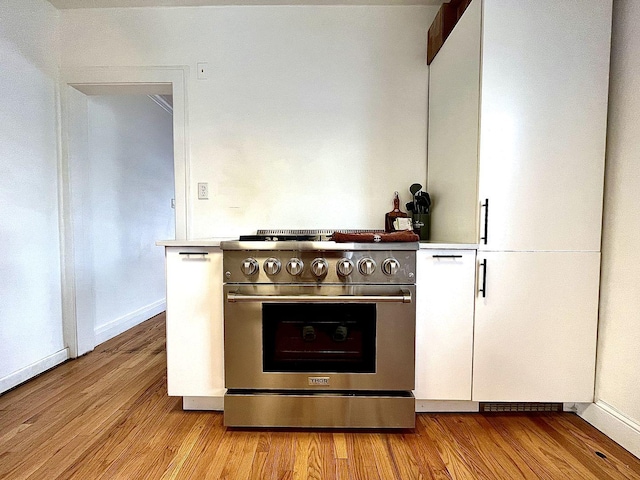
203, 191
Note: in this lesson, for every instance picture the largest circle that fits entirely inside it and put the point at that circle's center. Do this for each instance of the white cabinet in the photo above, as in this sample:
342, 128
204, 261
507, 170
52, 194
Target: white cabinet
517, 119
535, 328
517, 115
195, 341
444, 324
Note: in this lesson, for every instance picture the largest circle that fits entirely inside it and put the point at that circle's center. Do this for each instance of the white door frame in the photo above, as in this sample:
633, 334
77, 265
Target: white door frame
78, 333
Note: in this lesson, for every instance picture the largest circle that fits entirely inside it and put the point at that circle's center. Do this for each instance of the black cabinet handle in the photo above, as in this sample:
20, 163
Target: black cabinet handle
483, 290
485, 205
446, 256
193, 253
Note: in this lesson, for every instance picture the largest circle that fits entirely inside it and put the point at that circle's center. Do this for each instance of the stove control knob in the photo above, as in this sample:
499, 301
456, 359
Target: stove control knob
366, 266
250, 266
344, 267
319, 267
295, 266
390, 266
272, 266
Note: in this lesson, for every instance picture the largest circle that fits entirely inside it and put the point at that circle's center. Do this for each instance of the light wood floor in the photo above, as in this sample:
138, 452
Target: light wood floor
107, 416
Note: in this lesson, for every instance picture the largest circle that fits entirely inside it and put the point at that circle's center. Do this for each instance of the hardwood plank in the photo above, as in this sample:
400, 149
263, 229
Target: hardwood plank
313, 459
286, 444
52, 427
107, 415
503, 449
258, 471
405, 464
239, 455
108, 454
619, 458
302, 461
576, 451
279, 463
326, 451
152, 457
475, 444
173, 469
546, 458
449, 450
340, 445
342, 469
383, 456
246, 459
360, 455
430, 463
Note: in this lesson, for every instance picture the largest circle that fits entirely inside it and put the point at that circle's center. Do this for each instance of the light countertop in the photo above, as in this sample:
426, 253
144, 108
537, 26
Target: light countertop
215, 242
428, 245
199, 242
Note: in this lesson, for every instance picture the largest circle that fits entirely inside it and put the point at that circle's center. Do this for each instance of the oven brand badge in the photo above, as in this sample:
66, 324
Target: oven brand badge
319, 381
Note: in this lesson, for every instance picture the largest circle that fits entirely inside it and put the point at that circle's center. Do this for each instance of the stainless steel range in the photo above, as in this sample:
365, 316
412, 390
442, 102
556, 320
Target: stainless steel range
318, 333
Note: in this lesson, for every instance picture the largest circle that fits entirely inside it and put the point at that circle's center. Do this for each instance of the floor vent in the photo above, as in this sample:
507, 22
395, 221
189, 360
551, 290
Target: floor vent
520, 407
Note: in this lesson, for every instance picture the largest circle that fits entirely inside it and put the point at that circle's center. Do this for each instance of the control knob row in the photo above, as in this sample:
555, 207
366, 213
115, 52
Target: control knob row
319, 266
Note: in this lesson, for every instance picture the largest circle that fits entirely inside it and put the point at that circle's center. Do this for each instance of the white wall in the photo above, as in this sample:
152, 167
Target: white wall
311, 117
30, 288
122, 203
618, 372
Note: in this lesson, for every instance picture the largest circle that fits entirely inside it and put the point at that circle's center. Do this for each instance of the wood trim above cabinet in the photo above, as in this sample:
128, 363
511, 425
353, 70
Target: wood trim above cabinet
443, 24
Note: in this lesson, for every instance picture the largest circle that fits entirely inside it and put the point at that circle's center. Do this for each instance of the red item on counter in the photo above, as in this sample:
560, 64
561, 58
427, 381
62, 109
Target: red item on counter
402, 236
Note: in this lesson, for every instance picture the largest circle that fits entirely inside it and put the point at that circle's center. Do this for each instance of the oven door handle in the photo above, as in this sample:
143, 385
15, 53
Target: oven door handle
405, 297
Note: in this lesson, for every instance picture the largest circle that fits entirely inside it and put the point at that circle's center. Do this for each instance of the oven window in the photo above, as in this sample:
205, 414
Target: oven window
324, 338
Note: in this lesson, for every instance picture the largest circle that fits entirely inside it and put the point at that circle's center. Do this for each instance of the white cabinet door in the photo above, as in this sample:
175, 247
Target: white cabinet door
545, 77
454, 90
535, 328
195, 340
522, 124
444, 324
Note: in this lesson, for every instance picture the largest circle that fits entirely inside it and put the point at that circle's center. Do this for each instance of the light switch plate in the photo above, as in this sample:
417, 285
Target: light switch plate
203, 70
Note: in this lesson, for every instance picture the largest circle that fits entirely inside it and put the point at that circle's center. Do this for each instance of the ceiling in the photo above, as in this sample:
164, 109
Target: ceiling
63, 4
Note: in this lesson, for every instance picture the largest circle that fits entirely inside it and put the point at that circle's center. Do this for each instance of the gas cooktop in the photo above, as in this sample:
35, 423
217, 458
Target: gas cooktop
296, 235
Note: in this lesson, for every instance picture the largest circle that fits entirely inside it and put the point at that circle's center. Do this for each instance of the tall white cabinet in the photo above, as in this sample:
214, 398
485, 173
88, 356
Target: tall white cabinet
517, 125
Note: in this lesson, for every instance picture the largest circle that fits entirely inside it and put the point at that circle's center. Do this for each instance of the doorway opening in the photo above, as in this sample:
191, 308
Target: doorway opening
123, 189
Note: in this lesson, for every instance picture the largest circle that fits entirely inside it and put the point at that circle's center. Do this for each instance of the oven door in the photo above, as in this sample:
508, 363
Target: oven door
327, 337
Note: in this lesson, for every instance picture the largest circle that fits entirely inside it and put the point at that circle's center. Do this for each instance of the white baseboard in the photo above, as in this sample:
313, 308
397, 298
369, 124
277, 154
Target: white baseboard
613, 424
203, 403
116, 327
442, 406
30, 371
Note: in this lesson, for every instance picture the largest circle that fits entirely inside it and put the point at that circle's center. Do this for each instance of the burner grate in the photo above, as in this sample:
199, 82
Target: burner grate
307, 232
